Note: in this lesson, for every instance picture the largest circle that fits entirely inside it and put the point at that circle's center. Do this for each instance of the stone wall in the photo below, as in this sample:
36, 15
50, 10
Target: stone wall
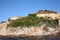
54, 16
59, 22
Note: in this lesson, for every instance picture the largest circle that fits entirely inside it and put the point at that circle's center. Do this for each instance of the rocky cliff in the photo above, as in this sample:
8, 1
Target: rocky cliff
31, 31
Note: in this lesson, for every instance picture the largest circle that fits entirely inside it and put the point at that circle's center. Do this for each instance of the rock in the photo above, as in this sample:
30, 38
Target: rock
3, 26
43, 27
31, 31
50, 29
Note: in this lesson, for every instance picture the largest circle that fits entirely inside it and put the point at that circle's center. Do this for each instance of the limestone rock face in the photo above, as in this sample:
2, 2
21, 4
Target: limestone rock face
35, 31
31, 31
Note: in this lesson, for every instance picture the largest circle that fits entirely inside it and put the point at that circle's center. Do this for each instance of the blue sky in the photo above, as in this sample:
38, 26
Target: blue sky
10, 8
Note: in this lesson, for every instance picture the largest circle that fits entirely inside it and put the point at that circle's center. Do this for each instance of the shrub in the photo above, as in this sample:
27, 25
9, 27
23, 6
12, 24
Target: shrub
32, 21
32, 15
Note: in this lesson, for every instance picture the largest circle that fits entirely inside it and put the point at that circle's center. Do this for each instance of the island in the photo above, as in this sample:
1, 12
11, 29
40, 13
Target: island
43, 23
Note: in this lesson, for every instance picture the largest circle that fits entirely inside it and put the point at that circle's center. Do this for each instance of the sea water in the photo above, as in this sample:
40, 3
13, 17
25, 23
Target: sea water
27, 38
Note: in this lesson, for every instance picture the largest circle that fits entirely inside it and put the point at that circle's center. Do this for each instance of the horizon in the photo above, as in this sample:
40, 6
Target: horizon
11, 8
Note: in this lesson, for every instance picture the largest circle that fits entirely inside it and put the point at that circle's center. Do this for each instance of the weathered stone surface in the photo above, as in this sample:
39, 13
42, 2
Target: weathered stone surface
25, 31
32, 31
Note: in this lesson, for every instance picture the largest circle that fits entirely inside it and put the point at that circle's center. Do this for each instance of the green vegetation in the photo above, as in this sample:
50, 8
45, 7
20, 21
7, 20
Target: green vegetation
32, 21
32, 15
27, 21
9, 19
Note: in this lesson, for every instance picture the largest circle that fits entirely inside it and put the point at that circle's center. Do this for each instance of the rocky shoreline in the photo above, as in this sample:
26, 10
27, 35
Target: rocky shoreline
20, 37
29, 32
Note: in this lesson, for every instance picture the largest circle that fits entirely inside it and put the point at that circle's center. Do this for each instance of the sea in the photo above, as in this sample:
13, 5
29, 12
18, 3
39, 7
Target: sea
30, 38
